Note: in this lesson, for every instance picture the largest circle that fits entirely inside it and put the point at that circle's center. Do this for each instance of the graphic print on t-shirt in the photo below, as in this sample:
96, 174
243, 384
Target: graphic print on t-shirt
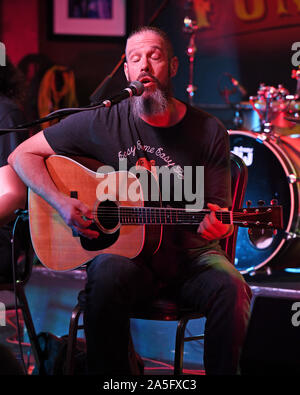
147, 164
158, 152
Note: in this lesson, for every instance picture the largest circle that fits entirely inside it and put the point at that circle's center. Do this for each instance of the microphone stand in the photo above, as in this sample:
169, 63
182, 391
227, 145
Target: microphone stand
58, 114
98, 92
135, 88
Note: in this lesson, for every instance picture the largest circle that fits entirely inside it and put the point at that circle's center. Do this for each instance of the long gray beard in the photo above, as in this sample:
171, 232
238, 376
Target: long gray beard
153, 104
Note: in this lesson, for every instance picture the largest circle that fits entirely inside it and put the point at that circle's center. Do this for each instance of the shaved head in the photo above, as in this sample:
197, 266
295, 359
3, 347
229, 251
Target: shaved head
157, 31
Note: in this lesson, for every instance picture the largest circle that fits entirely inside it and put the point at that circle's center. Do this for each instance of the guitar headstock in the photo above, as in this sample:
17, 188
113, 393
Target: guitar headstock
261, 217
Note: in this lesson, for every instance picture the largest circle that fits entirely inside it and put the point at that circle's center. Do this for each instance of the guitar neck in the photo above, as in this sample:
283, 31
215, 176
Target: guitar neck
165, 216
254, 216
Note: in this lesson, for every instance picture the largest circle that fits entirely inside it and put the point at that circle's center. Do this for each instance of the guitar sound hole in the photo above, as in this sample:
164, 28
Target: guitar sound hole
108, 214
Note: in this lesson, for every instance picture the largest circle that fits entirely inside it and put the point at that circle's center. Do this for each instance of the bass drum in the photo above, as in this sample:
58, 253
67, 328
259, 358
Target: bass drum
273, 168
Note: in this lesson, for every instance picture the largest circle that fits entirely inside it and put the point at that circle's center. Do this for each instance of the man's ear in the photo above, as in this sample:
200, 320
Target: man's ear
174, 66
126, 71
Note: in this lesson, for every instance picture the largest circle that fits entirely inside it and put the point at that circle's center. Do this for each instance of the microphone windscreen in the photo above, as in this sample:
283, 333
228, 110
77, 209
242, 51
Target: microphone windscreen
138, 86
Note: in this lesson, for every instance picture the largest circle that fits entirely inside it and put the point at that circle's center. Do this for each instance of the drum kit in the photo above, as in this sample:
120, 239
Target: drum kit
268, 140
266, 136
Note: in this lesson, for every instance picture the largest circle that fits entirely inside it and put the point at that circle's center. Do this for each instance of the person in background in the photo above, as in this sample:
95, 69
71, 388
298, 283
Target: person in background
12, 189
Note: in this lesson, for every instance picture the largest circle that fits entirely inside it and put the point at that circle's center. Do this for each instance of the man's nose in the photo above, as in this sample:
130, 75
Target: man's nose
145, 65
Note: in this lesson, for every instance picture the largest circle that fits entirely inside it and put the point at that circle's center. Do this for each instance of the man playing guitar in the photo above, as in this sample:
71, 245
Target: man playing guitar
189, 262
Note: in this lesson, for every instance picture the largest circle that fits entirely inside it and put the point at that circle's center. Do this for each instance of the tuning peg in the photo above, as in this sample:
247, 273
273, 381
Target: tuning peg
248, 203
274, 202
261, 202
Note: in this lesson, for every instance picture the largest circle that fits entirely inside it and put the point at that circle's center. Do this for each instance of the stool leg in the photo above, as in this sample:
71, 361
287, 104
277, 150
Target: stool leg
36, 349
179, 346
72, 340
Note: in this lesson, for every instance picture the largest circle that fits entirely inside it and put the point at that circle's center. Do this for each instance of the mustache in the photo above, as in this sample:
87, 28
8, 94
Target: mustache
151, 77
166, 88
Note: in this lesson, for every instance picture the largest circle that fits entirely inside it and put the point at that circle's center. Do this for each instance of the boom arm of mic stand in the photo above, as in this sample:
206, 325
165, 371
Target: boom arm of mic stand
95, 96
54, 115
157, 12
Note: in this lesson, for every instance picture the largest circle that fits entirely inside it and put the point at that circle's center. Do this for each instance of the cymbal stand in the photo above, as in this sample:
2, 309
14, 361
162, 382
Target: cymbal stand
191, 27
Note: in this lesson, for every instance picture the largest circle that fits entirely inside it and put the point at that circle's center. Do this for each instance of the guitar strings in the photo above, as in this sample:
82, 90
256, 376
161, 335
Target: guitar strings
164, 211
129, 214
137, 211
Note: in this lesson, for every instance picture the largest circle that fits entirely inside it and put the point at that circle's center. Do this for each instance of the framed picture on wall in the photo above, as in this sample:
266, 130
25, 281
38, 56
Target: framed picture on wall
89, 18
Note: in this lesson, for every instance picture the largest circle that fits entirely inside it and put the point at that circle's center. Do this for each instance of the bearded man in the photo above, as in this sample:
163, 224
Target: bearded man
155, 130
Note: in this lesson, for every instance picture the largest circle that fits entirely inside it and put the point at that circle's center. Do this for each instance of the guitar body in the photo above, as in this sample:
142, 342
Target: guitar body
56, 245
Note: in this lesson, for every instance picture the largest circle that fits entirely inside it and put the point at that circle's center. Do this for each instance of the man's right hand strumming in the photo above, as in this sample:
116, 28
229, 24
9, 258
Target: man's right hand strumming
77, 216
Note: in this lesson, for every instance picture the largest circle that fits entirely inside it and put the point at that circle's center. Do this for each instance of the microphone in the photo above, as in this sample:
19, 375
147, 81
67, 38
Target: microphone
237, 84
136, 88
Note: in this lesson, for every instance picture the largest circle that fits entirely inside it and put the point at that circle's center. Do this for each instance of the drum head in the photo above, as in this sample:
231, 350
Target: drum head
267, 180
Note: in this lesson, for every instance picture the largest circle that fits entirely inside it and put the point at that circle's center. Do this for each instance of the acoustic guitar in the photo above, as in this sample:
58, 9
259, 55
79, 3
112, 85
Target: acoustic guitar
128, 224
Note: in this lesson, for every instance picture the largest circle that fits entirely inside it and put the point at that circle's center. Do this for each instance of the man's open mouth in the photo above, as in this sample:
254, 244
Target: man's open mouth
147, 81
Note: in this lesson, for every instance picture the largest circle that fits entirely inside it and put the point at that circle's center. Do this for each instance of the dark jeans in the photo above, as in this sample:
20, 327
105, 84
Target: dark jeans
117, 285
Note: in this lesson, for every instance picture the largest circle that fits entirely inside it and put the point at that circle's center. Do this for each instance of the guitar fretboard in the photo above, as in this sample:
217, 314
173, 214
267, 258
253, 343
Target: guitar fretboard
160, 216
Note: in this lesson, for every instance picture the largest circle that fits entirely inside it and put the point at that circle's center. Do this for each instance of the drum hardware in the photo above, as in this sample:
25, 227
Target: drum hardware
237, 84
266, 270
268, 96
293, 178
272, 111
291, 235
267, 111
226, 92
238, 119
295, 119
261, 138
268, 127
261, 203
273, 175
272, 136
191, 27
296, 76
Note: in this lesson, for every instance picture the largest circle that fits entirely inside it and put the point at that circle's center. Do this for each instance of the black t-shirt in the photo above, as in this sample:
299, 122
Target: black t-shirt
109, 135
